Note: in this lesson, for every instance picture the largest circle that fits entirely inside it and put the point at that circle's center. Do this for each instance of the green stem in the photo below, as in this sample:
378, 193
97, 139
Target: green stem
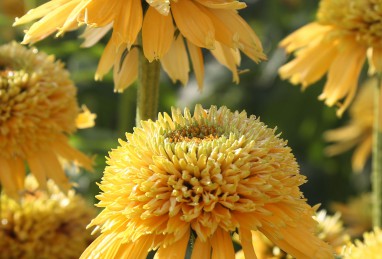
125, 109
377, 157
148, 89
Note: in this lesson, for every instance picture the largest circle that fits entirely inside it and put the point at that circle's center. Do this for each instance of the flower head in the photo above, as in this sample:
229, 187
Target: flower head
44, 224
167, 27
370, 247
199, 178
359, 131
38, 109
346, 32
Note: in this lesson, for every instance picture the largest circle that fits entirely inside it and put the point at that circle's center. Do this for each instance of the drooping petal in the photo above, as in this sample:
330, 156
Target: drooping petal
196, 56
176, 63
126, 73
157, 34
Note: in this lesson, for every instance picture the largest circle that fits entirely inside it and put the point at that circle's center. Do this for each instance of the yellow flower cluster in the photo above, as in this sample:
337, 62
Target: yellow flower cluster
44, 224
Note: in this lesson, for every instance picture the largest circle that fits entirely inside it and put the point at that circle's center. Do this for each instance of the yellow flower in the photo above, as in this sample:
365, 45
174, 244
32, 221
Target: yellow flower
166, 27
337, 44
329, 229
359, 130
356, 214
44, 224
370, 247
38, 110
199, 178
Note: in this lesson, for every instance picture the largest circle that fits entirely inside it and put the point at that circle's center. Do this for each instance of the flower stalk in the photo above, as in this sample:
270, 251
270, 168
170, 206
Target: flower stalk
377, 156
148, 89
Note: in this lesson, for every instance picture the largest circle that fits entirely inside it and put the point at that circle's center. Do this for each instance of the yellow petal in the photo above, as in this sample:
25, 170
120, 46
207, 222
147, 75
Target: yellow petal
193, 23
227, 57
202, 250
49, 23
126, 73
40, 11
85, 119
128, 22
222, 247
157, 34
175, 62
246, 243
196, 56
304, 36
107, 59
92, 35
235, 5
247, 41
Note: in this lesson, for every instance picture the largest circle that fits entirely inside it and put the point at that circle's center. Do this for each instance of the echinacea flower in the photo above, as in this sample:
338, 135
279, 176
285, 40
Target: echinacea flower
329, 229
167, 27
44, 224
197, 179
356, 214
38, 111
345, 33
370, 247
359, 130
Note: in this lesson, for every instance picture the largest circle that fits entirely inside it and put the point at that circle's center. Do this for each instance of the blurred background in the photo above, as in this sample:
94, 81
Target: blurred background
298, 116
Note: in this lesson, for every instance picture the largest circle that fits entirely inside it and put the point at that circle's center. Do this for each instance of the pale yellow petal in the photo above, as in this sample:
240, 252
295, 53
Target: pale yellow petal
196, 56
107, 59
49, 23
126, 73
157, 34
304, 36
227, 57
377, 59
176, 63
361, 154
85, 119
92, 35
40, 11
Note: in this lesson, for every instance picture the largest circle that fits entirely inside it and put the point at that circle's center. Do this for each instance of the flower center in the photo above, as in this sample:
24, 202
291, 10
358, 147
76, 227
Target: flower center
195, 133
360, 18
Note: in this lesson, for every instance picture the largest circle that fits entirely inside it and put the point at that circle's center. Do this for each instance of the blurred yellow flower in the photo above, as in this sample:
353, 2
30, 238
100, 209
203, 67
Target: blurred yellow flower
356, 214
38, 110
346, 32
370, 247
359, 130
44, 224
165, 26
329, 229
199, 178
